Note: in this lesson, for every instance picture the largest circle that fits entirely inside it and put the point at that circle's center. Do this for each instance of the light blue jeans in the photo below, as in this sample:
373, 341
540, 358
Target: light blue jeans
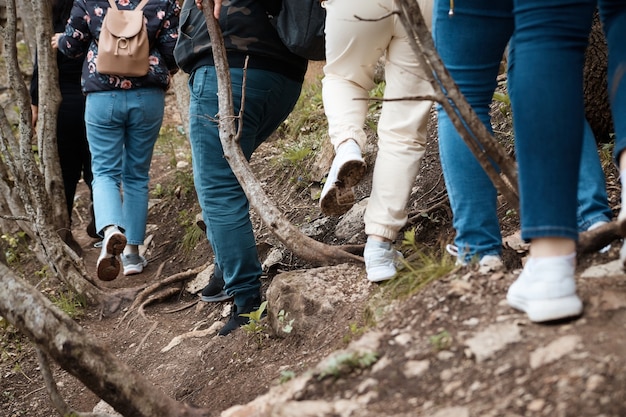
122, 128
473, 60
269, 98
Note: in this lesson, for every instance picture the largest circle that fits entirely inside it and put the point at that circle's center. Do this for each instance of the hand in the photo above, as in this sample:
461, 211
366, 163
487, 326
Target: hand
217, 6
55, 40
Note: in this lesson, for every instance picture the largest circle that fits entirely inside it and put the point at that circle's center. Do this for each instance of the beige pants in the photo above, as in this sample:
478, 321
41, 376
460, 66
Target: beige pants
353, 48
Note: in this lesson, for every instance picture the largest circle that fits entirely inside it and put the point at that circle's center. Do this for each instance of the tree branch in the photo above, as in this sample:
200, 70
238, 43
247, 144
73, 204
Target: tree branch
83, 356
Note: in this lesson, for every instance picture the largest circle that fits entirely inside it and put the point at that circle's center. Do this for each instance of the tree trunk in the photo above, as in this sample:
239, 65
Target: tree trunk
597, 106
181, 90
29, 200
83, 356
50, 100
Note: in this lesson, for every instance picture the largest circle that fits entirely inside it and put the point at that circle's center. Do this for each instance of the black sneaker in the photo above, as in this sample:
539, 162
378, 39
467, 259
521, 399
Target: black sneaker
214, 290
236, 320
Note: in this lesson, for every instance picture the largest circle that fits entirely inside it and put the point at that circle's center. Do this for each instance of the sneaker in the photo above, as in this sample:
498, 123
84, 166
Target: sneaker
214, 290
236, 320
381, 264
346, 171
486, 264
490, 263
108, 266
133, 263
546, 290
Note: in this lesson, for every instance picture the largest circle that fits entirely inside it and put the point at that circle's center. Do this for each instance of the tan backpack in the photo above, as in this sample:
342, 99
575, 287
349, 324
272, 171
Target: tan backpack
123, 47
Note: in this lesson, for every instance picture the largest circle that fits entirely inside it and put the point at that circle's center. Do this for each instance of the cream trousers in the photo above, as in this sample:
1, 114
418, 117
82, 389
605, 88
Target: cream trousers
353, 49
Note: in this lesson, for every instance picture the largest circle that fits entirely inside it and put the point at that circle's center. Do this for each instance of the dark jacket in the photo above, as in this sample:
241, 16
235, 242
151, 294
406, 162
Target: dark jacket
247, 31
83, 30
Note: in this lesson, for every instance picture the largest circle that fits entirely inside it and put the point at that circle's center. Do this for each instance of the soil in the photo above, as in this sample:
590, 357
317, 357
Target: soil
453, 348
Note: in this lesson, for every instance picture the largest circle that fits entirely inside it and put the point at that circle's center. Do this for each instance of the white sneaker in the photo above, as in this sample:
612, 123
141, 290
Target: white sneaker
133, 263
346, 171
490, 263
546, 290
381, 264
108, 266
486, 264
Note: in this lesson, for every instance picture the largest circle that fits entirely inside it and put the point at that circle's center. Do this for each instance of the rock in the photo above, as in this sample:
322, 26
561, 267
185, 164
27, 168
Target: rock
452, 412
413, 369
595, 383
554, 351
350, 226
104, 408
312, 298
494, 338
603, 270
200, 281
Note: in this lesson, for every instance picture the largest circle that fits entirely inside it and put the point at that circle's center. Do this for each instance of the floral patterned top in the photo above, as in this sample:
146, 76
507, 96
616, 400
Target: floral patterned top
83, 29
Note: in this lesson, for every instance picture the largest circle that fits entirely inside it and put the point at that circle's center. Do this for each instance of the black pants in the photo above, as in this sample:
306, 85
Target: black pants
72, 144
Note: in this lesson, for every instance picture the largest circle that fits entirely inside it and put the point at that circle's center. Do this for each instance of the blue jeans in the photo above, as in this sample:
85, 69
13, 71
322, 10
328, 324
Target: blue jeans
614, 24
593, 204
549, 56
122, 128
269, 98
473, 60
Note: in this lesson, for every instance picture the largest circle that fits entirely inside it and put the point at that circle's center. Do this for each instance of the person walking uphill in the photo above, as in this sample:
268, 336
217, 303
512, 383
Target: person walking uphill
123, 117
273, 81
353, 48
474, 63
549, 38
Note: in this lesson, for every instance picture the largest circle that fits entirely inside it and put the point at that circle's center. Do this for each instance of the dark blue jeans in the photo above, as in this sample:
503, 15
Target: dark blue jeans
471, 44
269, 98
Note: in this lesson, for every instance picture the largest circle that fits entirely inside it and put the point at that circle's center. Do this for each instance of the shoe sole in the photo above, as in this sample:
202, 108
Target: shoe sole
222, 296
376, 276
548, 310
340, 197
109, 267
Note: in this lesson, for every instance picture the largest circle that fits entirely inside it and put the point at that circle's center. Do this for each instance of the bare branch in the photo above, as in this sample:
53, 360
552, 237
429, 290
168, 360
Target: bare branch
44, 366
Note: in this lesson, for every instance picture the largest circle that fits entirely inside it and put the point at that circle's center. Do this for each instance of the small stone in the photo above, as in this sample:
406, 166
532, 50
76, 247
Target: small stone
536, 405
595, 383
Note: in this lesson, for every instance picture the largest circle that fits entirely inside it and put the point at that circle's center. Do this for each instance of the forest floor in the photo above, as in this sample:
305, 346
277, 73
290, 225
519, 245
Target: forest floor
451, 348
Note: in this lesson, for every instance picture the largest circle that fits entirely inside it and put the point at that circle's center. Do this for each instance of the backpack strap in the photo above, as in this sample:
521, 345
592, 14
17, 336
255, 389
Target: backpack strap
139, 6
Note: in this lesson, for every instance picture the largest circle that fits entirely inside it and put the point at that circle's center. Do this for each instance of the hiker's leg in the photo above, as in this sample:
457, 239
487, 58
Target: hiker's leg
145, 107
474, 64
